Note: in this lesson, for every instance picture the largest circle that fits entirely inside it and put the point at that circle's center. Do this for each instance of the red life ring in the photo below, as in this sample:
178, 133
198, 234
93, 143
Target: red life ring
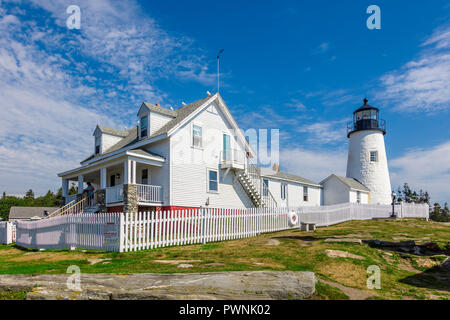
292, 218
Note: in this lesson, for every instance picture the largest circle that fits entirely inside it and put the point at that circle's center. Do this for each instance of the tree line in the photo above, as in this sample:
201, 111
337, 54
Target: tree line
437, 212
50, 199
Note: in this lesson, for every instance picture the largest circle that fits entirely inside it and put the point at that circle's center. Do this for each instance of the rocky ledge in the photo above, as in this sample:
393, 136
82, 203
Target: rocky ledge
252, 285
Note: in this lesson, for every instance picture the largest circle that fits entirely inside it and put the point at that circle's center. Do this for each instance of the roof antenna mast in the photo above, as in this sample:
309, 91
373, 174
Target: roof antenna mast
218, 66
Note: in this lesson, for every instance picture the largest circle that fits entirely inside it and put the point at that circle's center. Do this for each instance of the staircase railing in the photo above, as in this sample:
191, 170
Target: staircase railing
74, 207
254, 174
63, 208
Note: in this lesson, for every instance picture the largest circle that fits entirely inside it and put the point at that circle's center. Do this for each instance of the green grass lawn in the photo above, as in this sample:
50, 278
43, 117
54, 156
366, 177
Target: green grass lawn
403, 276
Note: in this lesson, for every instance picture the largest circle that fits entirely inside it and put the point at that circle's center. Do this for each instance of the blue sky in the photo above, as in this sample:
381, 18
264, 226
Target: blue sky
299, 66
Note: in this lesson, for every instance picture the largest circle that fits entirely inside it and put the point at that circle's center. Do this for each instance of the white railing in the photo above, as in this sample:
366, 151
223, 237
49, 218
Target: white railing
254, 173
233, 156
75, 207
114, 194
148, 193
148, 230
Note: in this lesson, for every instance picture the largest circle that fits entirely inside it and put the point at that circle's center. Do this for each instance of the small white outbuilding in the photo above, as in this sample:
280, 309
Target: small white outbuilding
337, 189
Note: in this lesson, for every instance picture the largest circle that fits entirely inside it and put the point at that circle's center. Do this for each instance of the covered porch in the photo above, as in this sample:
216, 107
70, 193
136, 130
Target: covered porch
128, 181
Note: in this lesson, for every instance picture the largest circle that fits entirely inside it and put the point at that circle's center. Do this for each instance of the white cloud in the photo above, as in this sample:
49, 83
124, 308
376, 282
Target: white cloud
427, 169
422, 84
322, 48
57, 84
296, 105
332, 131
315, 165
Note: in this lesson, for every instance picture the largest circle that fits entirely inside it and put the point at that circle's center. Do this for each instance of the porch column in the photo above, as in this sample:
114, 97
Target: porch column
126, 172
65, 187
133, 172
129, 172
80, 183
129, 186
103, 178
101, 192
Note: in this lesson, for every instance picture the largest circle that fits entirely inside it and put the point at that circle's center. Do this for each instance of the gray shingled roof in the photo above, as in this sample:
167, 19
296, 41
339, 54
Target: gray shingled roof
292, 177
182, 114
132, 136
158, 109
352, 183
114, 132
29, 212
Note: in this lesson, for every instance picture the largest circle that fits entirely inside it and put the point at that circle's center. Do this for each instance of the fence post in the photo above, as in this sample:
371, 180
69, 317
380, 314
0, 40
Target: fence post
121, 232
202, 212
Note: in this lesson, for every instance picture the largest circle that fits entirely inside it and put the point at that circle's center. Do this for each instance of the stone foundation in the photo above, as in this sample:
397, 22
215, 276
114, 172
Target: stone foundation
101, 200
129, 197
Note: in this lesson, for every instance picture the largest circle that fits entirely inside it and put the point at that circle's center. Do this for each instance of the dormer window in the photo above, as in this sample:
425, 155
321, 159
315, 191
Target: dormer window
144, 126
97, 144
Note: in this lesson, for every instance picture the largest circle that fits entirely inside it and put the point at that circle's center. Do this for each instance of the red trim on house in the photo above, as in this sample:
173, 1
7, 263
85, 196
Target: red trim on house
177, 208
114, 209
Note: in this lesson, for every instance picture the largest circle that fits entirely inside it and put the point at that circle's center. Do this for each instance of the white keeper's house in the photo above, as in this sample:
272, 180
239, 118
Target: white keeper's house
190, 157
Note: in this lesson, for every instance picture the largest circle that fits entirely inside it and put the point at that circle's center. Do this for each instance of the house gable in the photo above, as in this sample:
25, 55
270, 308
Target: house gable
217, 102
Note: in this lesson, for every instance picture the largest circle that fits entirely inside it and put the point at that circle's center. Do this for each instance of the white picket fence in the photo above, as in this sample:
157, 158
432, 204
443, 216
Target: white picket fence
150, 230
6, 232
88, 231
124, 232
330, 215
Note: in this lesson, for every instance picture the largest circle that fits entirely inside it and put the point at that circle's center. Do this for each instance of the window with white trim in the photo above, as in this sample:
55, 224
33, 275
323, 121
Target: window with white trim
98, 142
373, 156
358, 196
283, 191
144, 126
213, 180
305, 193
265, 187
197, 136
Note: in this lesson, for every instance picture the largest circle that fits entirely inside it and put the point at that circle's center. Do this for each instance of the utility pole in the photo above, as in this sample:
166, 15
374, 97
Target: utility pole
218, 69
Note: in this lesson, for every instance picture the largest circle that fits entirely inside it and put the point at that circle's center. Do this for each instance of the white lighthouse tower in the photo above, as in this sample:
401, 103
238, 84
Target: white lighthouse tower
367, 160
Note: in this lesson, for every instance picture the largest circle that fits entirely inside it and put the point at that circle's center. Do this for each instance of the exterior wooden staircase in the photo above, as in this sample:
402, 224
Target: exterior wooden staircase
85, 205
253, 184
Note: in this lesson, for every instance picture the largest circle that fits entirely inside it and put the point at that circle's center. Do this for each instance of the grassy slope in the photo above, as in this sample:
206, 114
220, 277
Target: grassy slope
402, 276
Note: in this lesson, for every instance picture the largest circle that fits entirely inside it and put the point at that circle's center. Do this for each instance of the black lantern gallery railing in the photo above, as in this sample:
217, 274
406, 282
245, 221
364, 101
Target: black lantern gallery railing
366, 124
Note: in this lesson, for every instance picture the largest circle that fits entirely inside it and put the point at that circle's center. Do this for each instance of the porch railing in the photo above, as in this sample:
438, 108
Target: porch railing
114, 194
149, 193
233, 156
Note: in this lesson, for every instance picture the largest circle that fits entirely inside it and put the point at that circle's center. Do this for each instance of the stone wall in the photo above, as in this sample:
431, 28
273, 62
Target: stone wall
129, 197
101, 200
